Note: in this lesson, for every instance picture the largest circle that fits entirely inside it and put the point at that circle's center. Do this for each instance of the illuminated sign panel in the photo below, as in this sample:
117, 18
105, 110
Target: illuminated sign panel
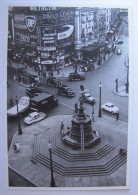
25, 28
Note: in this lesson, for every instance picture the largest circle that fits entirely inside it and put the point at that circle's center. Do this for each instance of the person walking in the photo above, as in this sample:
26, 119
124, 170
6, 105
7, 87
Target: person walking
62, 126
81, 87
117, 115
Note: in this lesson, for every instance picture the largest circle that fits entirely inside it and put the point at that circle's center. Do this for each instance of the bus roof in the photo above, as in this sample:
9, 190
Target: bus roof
41, 97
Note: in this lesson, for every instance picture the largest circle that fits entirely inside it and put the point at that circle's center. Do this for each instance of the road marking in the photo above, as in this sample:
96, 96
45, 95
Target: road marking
66, 105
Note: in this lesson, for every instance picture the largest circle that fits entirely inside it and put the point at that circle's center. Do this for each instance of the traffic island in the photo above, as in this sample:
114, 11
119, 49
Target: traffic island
99, 166
121, 91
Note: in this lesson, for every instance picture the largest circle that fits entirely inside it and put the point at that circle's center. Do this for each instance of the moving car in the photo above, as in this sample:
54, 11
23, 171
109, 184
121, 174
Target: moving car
119, 41
110, 108
65, 90
34, 117
53, 81
35, 80
33, 91
42, 102
118, 52
76, 76
23, 105
86, 97
87, 67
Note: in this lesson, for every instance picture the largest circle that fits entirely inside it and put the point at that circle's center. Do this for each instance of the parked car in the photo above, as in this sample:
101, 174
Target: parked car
23, 105
76, 76
35, 80
53, 81
110, 108
42, 102
65, 90
34, 117
118, 52
86, 97
33, 91
119, 41
87, 67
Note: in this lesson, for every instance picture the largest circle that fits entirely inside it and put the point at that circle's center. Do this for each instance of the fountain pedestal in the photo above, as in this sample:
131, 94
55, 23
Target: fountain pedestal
81, 133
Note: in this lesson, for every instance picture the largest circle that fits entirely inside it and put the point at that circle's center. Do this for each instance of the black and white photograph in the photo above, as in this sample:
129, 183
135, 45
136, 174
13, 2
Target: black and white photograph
68, 97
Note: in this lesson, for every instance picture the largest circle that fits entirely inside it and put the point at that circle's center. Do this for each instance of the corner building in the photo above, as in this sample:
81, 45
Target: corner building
50, 36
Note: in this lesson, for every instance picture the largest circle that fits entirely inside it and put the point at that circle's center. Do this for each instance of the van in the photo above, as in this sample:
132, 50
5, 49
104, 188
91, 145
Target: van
42, 102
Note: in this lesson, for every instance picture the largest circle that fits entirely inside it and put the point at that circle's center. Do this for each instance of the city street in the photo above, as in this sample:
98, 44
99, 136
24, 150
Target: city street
106, 73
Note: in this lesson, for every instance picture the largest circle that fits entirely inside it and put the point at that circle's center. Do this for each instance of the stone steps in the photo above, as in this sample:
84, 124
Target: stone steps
100, 170
82, 157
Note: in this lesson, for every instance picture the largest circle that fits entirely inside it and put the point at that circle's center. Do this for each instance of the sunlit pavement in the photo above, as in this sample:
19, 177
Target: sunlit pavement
111, 131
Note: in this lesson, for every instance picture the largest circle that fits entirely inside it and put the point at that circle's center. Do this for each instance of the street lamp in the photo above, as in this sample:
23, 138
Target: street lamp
51, 165
18, 115
93, 113
99, 115
127, 84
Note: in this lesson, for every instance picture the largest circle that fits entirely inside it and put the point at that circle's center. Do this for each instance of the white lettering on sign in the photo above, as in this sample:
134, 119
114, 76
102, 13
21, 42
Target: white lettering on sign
30, 23
45, 54
67, 33
25, 38
42, 8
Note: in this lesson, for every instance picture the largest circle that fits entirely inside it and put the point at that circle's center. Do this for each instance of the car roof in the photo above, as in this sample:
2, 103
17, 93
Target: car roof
25, 98
87, 94
52, 78
109, 103
64, 86
41, 97
33, 114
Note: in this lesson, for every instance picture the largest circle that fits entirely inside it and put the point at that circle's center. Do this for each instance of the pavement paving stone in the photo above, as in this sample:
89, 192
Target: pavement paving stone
86, 182
102, 180
77, 182
69, 182
40, 173
94, 181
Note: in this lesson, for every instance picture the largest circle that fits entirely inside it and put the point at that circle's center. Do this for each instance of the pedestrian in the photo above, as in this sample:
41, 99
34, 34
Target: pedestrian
117, 115
16, 147
81, 87
62, 126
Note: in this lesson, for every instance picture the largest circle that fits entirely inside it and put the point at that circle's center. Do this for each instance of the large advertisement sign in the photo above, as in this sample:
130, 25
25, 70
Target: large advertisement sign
102, 22
65, 33
25, 28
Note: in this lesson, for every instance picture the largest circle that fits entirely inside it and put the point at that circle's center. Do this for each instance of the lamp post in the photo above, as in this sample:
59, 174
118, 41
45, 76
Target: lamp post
93, 112
18, 115
51, 165
127, 84
99, 115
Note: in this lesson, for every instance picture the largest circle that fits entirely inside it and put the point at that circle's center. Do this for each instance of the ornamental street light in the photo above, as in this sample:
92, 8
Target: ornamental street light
18, 115
99, 115
116, 81
51, 165
93, 112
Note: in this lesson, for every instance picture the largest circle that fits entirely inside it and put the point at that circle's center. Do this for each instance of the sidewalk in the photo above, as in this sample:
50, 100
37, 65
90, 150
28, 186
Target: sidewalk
112, 132
121, 91
63, 72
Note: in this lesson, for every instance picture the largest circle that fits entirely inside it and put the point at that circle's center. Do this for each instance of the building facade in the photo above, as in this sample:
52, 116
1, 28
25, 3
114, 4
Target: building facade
51, 36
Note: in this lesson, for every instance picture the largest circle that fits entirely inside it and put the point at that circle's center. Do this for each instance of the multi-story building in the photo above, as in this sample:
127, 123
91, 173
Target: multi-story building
50, 36
43, 33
